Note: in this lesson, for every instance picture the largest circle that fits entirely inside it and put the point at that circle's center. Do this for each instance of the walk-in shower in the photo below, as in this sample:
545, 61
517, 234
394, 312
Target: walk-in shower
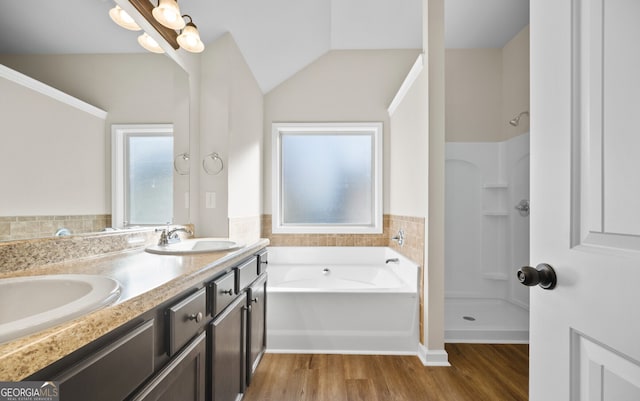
486, 240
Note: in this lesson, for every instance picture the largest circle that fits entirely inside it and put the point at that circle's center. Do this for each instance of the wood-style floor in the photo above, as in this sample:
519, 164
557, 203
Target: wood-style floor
479, 372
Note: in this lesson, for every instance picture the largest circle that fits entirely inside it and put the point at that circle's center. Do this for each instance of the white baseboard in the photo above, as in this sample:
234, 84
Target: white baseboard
438, 357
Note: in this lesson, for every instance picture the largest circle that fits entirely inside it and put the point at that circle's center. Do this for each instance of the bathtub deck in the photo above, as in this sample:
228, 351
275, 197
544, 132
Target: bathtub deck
478, 372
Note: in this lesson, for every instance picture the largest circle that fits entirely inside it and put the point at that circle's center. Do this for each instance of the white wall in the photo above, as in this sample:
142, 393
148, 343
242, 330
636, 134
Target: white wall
52, 156
231, 117
132, 88
409, 147
341, 86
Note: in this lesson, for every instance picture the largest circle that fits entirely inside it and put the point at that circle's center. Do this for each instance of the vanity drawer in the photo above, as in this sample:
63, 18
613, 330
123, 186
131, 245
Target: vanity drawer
113, 372
247, 272
186, 319
263, 261
222, 292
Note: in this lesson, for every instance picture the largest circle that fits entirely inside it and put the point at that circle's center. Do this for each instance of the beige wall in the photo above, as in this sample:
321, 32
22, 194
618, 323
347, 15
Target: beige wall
485, 89
340, 86
231, 111
473, 84
433, 40
515, 83
132, 88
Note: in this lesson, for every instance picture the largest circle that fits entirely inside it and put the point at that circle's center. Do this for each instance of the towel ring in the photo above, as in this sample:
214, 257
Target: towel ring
181, 158
212, 164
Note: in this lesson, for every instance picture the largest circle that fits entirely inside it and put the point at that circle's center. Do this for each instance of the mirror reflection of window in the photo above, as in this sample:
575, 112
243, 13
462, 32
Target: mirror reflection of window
142, 174
150, 179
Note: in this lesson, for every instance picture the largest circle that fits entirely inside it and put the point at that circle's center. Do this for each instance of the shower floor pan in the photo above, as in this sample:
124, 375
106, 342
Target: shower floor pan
492, 321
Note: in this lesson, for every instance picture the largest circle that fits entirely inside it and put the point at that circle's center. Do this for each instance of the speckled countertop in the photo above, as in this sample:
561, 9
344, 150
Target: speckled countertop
147, 281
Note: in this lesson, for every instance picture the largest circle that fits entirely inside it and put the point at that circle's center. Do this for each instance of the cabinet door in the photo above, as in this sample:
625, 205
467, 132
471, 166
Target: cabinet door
112, 373
256, 331
182, 379
227, 347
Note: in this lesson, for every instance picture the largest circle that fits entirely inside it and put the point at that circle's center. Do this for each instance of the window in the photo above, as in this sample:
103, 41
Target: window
327, 178
142, 174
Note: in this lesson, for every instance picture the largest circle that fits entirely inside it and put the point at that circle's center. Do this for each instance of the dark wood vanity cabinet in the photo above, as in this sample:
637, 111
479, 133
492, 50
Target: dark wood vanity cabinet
182, 379
227, 351
256, 324
200, 346
113, 371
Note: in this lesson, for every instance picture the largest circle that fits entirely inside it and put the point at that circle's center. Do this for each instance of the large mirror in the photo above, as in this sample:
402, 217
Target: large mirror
56, 167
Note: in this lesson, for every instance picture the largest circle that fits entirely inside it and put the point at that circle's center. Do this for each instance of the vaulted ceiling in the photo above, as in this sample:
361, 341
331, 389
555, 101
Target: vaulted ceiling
277, 37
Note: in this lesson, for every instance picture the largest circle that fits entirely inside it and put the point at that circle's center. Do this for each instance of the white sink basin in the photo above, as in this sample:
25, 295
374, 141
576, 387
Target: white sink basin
195, 245
31, 304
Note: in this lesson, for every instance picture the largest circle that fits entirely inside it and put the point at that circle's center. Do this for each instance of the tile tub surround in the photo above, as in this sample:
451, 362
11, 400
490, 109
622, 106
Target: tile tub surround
24, 254
413, 227
25, 227
147, 280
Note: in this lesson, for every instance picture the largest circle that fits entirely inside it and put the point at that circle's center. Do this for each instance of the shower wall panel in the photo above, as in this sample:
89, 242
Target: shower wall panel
486, 239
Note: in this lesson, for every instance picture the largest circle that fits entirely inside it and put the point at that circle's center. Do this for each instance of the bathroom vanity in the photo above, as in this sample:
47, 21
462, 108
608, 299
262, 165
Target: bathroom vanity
185, 327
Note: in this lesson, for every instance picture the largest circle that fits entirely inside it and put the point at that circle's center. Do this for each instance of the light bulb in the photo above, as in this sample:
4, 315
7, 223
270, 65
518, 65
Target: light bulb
122, 18
149, 43
168, 14
190, 40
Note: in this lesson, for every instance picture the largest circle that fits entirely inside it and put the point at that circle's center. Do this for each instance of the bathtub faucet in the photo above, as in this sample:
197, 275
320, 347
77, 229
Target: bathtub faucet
392, 260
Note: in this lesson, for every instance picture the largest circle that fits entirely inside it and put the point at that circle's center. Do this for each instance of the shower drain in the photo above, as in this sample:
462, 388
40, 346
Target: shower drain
469, 318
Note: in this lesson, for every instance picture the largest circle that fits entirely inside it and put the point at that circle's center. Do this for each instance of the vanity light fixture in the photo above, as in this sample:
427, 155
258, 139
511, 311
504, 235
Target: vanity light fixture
122, 18
189, 38
166, 19
168, 14
149, 43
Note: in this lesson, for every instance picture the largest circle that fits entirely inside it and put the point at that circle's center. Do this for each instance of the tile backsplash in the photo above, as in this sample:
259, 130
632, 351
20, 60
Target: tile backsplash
413, 227
23, 254
27, 227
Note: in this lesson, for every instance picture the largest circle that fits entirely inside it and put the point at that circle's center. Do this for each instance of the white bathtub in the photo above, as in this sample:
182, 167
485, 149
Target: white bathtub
341, 300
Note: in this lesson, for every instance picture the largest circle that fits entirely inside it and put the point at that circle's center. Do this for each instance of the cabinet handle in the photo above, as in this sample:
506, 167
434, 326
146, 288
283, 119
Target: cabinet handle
264, 262
230, 291
196, 316
254, 300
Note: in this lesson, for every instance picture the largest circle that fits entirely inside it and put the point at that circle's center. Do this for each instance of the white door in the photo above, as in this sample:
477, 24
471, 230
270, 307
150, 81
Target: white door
585, 199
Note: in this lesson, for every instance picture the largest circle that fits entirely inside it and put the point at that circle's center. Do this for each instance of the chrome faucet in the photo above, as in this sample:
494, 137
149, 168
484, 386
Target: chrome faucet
168, 236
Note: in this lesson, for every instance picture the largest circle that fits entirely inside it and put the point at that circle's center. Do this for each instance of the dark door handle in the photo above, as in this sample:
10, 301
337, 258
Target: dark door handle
542, 275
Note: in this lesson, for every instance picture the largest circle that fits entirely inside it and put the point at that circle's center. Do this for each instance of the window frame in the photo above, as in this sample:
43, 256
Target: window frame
119, 176
375, 129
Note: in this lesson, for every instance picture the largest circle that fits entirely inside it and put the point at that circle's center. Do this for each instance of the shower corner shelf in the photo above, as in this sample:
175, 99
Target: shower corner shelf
495, 213
496, 185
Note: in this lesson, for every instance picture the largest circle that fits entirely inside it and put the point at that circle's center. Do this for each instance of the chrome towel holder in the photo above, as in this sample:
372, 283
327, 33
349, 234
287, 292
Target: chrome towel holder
181, 158
212, 164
